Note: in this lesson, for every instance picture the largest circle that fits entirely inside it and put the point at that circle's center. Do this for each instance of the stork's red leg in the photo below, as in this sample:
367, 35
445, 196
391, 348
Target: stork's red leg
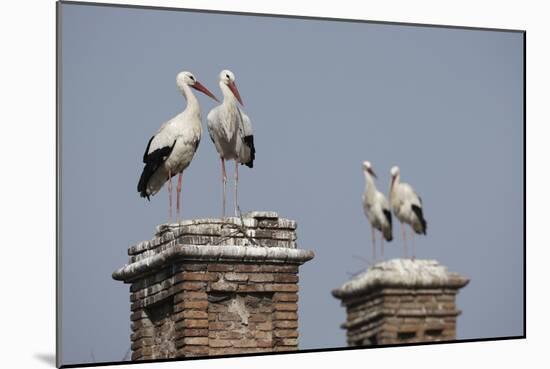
404, 239
178, 218
382, 246
373, 245
224, 181
414, 244
170, 196
236, 186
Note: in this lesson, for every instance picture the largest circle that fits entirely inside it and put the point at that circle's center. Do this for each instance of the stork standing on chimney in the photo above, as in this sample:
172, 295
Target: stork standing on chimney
376, 209
407, 207
171, 149
231, 131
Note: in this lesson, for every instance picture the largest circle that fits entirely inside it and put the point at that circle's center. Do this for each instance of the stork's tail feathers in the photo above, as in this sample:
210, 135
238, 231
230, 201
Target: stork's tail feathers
387, 230
148, 171
420, 227
249, 141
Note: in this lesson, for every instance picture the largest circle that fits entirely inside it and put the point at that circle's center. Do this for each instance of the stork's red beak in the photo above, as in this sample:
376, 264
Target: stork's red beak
372, 172
392, 180
199, 87
233, 88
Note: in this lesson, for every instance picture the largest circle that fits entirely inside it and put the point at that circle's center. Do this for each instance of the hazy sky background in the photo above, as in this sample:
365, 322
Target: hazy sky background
446, 105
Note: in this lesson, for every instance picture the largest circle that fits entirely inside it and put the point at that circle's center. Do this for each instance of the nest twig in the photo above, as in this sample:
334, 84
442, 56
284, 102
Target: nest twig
240, 229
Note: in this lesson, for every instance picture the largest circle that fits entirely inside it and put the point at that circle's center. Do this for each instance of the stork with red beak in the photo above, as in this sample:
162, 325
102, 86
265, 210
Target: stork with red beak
231, 131
376, 209
172, 148
407, 207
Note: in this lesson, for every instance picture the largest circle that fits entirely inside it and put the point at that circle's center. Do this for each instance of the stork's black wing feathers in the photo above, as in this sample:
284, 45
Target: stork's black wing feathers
387, 231
152, 162
145, 154
196, 143
249, 141
387, 214
418, 211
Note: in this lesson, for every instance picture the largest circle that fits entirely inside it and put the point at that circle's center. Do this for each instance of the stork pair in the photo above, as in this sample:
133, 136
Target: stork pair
171, 149
405, 203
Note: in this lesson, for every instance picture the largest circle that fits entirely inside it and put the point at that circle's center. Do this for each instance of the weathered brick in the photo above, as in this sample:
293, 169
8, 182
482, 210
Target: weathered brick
195, 314
196, 341
228, 316
286, 324
194, 295
142, 333
141, 324
289, 342
262, 335
223, 286
219, 343
260, 277
215, 325
236, 277
142, 342
194, 304
266, 309
285, 297
193, 286
189, 351
142, 353
217, 308
196, 276
231, 335
262, 317
244, 343
137, 315
279, 315
285, 306
220, 267
279, 269
284, 348
192, 323
194, 332
280, 287
146, 282
285, 278
265, 343
265, 326
251, 288
194, 267
284, 333
246, 268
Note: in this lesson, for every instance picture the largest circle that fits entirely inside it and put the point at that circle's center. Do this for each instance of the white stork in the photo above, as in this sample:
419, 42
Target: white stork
231, 131
376, 209
172, 148
407, 207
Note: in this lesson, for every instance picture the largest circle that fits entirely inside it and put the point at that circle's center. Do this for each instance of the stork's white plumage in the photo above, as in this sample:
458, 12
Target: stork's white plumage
407, 207
231, 131
172, 148
376, 209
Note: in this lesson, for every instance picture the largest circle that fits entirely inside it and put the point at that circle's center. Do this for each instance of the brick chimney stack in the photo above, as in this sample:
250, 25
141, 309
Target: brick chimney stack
401, 301
211, 287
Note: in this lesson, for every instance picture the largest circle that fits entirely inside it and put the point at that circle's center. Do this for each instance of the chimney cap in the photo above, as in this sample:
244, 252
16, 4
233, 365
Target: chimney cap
401, 273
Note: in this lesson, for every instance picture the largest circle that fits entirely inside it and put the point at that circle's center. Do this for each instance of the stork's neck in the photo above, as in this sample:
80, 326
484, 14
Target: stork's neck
228, 98
192, 102
394, 183
370, 187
